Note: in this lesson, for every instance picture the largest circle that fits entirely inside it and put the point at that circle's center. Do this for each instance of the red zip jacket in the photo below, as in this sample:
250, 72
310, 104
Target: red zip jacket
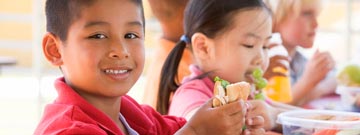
71, 114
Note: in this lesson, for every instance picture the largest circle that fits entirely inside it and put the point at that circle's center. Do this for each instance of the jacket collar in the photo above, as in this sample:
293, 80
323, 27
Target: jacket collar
68, 96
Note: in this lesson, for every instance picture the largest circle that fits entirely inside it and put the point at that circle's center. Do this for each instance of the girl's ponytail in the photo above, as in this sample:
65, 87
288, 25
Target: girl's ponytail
169, 78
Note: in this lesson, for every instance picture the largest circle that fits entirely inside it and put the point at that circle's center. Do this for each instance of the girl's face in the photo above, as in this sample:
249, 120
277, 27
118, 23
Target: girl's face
300, 29
234, 54
104, 52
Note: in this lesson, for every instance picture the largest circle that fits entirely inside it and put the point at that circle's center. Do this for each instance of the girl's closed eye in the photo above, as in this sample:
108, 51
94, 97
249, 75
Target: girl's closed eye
248, 45
266, 47
98, 36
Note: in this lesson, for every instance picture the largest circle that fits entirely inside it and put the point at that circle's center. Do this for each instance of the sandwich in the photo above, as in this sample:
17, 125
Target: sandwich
226, 93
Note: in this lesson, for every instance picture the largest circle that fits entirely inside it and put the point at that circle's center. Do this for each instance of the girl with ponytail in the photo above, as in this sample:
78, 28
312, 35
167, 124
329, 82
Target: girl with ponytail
229, 39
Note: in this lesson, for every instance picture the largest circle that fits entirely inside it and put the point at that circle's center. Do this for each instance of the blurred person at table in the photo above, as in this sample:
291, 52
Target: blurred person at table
170, 16
296, 21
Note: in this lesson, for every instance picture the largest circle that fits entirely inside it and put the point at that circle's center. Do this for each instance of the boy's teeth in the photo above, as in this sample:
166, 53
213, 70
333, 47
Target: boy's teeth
110, 71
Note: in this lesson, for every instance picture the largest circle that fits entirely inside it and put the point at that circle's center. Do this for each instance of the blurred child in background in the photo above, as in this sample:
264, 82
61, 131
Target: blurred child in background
296, 21
170, 14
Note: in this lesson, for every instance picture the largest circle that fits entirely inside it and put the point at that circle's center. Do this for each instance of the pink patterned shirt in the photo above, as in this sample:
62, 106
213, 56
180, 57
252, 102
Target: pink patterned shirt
191, 94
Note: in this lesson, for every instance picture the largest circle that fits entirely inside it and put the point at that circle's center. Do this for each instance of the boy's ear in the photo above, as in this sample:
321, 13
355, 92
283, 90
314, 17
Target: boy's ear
202, 45
51, 45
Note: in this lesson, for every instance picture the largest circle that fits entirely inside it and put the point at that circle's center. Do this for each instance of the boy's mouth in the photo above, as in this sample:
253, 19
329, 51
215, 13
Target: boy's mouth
117, 73
114, 71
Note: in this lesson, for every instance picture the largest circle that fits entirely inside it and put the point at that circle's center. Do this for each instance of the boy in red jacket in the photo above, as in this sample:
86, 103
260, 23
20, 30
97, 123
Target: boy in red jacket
99, 47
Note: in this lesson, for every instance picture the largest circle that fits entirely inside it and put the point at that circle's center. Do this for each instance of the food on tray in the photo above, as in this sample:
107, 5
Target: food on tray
319, 122
326, 117
349, 76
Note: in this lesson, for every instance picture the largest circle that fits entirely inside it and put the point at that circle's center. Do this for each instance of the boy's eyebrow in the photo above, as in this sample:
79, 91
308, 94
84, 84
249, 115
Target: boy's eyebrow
135, 23
93, 23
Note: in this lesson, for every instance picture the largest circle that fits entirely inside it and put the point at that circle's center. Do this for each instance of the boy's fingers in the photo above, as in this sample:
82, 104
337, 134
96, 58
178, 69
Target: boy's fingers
316, 52
208, 104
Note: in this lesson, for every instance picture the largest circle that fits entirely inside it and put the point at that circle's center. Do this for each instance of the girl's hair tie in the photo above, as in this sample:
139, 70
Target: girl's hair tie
185, 39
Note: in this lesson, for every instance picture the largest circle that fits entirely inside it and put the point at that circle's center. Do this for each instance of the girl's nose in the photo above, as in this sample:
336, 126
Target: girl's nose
258, 62
259, 59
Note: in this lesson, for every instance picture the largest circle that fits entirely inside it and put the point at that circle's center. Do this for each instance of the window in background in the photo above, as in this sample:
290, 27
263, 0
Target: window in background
339, 30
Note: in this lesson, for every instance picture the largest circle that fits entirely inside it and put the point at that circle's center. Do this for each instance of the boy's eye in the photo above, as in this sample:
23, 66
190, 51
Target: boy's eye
130, 36
307, 13
98, 36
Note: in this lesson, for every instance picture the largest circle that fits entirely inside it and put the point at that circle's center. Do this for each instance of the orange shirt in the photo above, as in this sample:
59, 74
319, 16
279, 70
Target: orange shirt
154, 70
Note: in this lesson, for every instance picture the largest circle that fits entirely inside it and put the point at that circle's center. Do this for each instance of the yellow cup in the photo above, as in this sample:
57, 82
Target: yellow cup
279, 87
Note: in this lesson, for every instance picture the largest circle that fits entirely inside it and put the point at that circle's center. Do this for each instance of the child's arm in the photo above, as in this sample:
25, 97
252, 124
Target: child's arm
227, 119
315, 71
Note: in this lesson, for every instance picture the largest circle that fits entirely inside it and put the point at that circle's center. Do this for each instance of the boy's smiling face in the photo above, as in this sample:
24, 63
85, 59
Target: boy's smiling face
104, 51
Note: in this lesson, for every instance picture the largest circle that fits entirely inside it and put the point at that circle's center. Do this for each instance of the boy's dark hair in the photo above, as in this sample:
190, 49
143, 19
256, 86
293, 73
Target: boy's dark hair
60, 14
210, 17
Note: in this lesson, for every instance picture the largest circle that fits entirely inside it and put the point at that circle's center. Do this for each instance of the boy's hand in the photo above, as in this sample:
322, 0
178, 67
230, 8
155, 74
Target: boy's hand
224, 120
318, 66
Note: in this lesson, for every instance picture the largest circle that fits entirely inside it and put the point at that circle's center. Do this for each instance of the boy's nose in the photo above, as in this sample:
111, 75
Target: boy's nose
314, 23
118, 51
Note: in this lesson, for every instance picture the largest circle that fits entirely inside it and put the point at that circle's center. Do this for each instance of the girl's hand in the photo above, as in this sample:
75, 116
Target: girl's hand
224, 120
268, 113
254, 126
